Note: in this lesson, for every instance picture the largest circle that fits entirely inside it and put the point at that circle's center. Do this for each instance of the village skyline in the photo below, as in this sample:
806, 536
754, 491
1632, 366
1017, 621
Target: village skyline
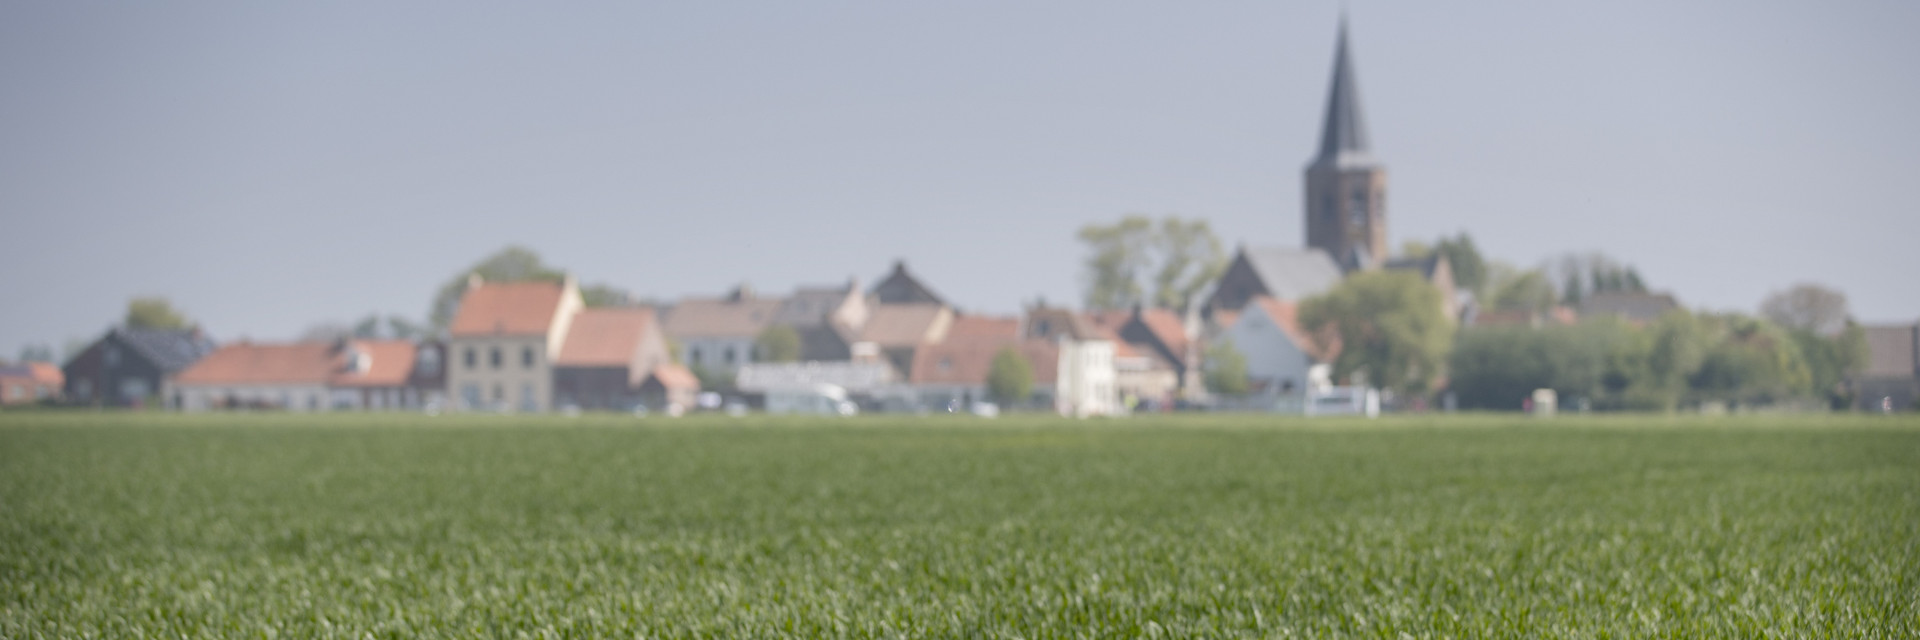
266, 176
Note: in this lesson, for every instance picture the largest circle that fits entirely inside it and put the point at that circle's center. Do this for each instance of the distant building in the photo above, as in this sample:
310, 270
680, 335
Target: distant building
719, 334
1282, 273
127, 366
30, 382
1891, 378
308, 376
1346, 212
608, 355
894, 331
1437, 271
1280, 355
503, 342
900, 287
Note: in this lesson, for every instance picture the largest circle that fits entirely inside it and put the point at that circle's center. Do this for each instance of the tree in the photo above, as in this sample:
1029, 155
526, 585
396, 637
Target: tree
1010, 377
511, 264
1750, 360
1833, 360
41, 352
778, 343
154, 313
1583, 274
1226, 369
1807, 307
1469, 268
1390, 326
1181, 255
1512, 289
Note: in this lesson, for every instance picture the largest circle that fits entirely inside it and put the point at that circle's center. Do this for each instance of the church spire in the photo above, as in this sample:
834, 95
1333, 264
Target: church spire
1343, 135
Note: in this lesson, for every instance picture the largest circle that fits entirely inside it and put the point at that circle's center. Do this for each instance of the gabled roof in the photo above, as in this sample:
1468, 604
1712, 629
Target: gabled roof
674, 376
906, 325
1343, 135
388, 364
1166, 326
812, 306
1423, 265
605, 337
508, 308
1290, 273
248, 363
1047, 323
967, 362
168, 349
1285, 314
721, 317
900, 287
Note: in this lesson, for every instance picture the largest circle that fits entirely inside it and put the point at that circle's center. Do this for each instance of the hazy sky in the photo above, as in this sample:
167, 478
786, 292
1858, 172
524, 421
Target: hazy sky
269, 166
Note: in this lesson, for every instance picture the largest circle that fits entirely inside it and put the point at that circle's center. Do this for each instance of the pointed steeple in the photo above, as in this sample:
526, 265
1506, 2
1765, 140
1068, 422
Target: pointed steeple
1343, 136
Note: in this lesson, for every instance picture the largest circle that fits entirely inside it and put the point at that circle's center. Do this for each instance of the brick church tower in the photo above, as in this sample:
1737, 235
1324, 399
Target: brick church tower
1346, 188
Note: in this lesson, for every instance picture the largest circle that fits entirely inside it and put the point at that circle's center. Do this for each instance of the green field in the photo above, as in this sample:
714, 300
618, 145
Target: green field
1470, 526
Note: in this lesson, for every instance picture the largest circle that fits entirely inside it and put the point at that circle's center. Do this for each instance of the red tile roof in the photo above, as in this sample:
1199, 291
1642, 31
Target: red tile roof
903, 325
966, 362
605, 337
390, 364
673, 376
508, 308
976, 327
45, 373
248, 363
1166, 326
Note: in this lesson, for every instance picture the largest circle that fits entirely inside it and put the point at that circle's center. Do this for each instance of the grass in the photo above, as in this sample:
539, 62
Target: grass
1474, 526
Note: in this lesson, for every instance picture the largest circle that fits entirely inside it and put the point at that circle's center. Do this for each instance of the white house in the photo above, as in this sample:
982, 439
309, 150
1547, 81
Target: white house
1280, 357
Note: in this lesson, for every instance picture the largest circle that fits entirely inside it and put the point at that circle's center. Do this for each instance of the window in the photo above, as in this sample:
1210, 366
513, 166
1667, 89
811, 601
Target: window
473, 358
730, 355
428, 361
529, 402
693, 355
493, 358
526, 357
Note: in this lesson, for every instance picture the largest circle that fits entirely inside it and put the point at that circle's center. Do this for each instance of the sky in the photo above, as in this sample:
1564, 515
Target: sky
273, 166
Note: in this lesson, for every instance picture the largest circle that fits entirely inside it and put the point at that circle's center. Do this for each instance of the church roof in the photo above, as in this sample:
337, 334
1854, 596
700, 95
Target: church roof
1343, 137
1289, 273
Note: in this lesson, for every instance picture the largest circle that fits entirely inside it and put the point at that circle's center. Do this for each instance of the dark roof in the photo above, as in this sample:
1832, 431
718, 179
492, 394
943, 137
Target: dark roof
1292, 274
1343, 137
811, 306
168, 349
1892, 351
1423, 265
900, 287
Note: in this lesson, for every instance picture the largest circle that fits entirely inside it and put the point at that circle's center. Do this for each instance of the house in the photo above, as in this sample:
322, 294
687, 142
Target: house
900, 287
718, 334
128, 366
1891, 379
1634, 307
826, 319
1282, 273
304, 376
1140, 372
1084, 382
608, 355
955, 370
1437, 271
30, 382
503, 341
895, 331
1280, 355
669, 385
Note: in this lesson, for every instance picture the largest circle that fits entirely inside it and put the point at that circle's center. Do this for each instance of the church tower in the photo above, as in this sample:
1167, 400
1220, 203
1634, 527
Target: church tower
1346, 188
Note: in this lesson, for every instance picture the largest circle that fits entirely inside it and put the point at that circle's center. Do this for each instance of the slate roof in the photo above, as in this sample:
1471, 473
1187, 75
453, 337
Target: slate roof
810, 306
1293, 273
900, 287
168, 349
604, 337
508, 308
1424, 265
1892, 351
1343, 135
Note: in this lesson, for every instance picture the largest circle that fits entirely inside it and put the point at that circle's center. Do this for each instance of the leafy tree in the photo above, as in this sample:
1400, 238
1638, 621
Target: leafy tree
1010, 377
1226, 369
1390, 326
1582, 274
1181, 255
1832, 361
1469, 268
511, 264
605, 295
154, 313
1750, 361
1807, 307
1509, 288
778, 343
